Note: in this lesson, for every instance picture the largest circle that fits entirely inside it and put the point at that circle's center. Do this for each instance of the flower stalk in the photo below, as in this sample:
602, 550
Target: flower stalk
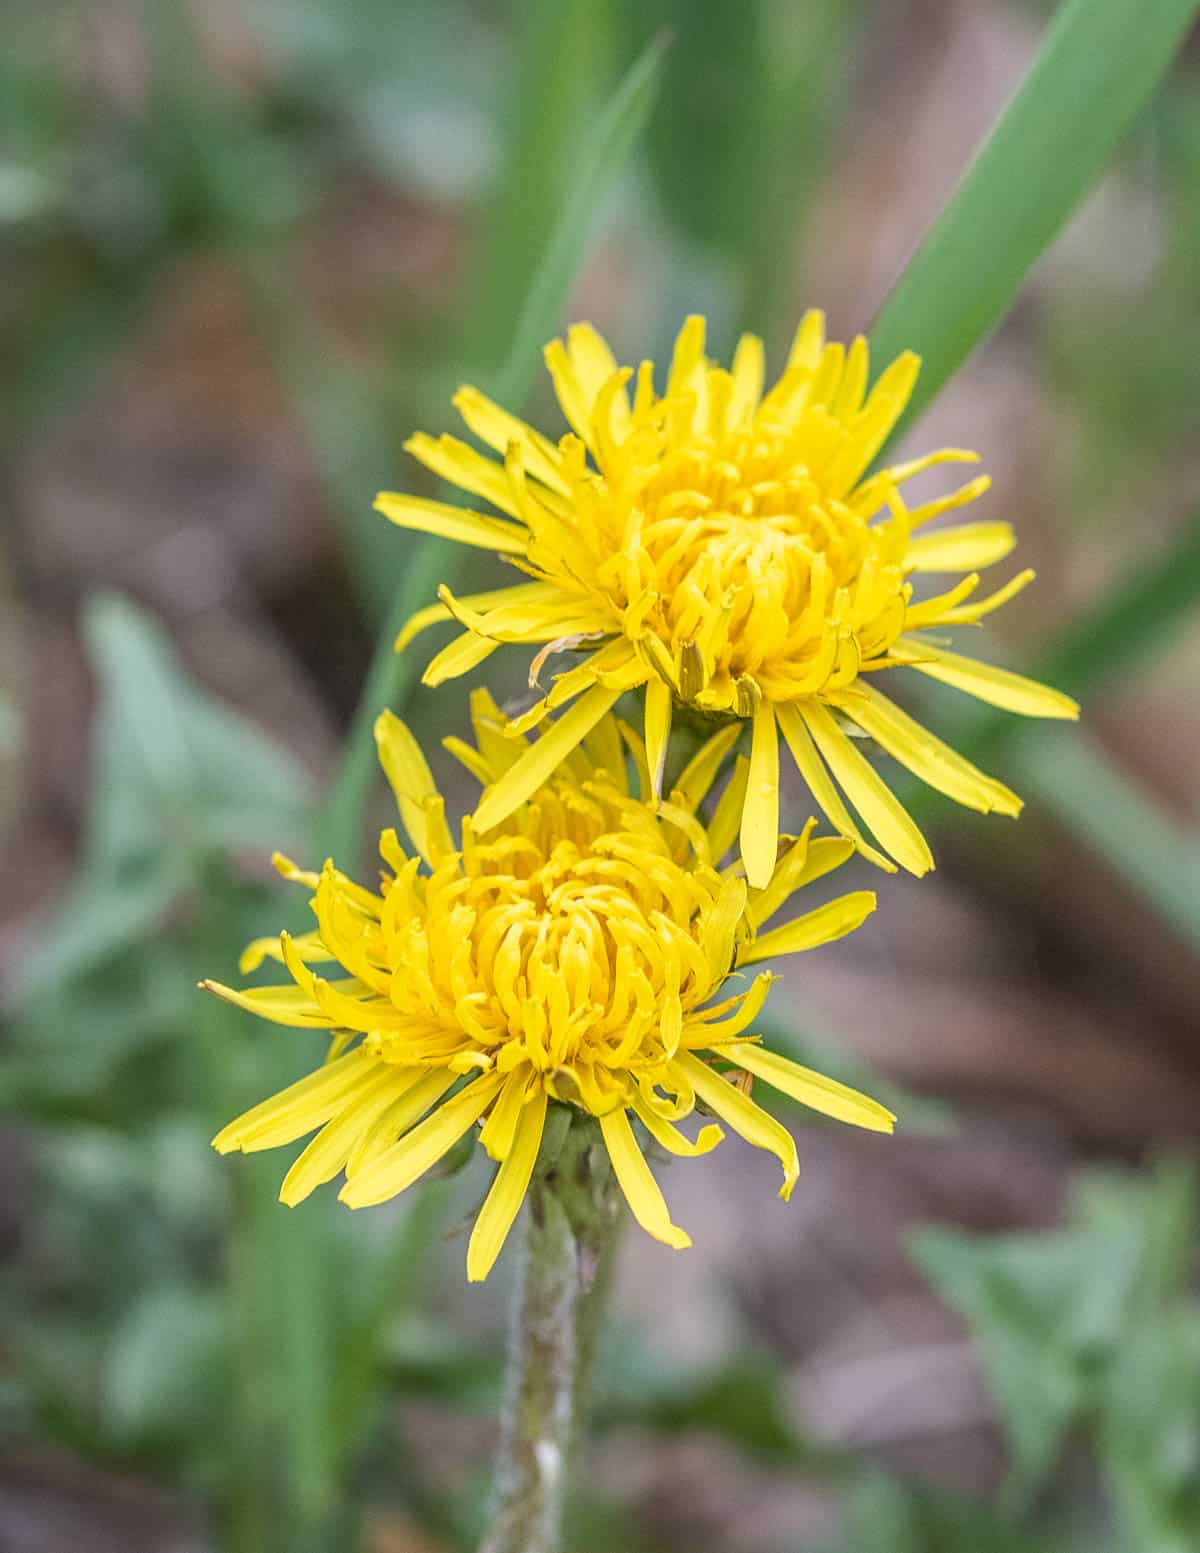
573, 1213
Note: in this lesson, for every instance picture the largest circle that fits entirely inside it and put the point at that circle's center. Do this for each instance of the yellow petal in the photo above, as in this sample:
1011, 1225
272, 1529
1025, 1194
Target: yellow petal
820, 784
464, 653
658, 731
968, 548
452, 460
411, 780
808, 342
703, 1032
746, 1118
576, 405
457, 523
823, 926
924, 754
595, 366
331, 1148
290, 1006
402, 1164
891, 822
494, 598
496, 1134
538, 762
500, 430
425, 1087
760, 815
606, 752
309, 946
748, 371
300, 1107
727, 816
998, 687
701, 771
669, 1137
804, 864
503, 1202
688, 354
813, 1089
636, 1181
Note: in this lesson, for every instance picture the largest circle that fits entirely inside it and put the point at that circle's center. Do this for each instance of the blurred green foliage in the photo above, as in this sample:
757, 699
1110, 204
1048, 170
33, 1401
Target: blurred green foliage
169, 1316
1091, 1332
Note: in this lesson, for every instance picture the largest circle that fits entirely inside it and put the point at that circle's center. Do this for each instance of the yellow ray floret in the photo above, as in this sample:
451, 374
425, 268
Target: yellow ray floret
575, 952
726, 548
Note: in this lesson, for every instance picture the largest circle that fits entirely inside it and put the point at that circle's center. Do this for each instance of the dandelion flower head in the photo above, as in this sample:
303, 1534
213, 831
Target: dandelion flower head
729, 550
576, 953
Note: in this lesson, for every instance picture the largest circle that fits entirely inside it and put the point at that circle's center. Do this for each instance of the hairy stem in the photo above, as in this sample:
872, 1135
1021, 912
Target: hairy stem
572, 1215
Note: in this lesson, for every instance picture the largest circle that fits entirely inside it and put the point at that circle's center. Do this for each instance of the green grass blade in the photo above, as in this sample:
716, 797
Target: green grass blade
1100, 63
1098, 804
1130, 622
601, 159
563, 57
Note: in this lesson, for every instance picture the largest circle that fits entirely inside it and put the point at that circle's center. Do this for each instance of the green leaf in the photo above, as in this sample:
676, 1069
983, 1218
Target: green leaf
563, 51
600, 161
1052, 1312
602, 158
177, 777
163, 1377
1099, 65
173, 765
1150, 1433
1036, 1306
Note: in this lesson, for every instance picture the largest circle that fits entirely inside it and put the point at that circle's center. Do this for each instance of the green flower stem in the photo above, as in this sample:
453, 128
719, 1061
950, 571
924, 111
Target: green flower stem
573, 1211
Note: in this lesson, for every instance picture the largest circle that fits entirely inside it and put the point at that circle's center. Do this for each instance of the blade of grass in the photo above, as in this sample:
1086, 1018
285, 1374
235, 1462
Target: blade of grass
1096, 802
601, 158
563, 53
1098, 66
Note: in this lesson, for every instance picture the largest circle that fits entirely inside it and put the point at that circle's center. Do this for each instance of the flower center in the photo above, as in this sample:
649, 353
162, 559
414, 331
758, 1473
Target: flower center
570, 941
753, 577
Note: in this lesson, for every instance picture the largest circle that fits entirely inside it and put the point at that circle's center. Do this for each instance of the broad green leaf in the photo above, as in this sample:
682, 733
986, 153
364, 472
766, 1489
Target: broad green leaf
1099, 65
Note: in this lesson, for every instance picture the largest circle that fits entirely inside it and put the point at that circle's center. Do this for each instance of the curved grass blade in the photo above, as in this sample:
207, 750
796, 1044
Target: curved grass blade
1099, 65
601, 158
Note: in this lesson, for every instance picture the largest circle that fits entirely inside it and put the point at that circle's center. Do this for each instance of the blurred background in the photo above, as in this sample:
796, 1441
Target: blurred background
246, 249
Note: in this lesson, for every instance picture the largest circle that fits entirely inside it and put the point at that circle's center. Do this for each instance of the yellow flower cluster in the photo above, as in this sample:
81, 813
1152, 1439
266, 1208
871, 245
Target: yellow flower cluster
571, 953
716, 547
727, 549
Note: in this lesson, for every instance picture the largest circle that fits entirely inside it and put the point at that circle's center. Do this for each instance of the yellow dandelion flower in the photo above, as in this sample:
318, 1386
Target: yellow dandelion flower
575, 953
727, 549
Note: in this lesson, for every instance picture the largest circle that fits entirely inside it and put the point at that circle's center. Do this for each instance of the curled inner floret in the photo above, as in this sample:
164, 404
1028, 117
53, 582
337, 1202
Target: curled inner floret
577, 953
728, 549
